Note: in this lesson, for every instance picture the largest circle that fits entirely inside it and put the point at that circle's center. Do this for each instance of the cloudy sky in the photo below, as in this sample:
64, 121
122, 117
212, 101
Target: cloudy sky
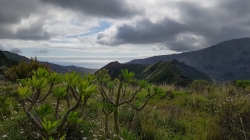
92, 33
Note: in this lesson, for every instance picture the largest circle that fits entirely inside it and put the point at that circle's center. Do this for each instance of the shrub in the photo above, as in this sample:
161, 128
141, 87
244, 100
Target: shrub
199, 85
23, 70
242, 83
51, 121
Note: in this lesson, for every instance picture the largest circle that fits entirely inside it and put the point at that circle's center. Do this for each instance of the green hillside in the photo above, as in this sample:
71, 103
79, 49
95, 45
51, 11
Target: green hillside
170, 72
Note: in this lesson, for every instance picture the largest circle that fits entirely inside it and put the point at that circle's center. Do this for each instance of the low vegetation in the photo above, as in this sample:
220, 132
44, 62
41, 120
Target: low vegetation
23, 70
50, 106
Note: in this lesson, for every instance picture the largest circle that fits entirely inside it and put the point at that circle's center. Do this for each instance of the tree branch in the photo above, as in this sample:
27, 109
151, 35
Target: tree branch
42, 99
129, 100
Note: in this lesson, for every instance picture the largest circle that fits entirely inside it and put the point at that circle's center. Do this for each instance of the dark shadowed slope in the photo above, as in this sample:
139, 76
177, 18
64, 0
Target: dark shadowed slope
229, 60
4, 61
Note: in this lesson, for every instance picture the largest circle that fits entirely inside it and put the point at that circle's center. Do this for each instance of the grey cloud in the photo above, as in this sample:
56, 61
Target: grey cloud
16, 50
101, 8
43, 51
12, 12
225, 21
145, 32
228, 19
236, 7
35, 32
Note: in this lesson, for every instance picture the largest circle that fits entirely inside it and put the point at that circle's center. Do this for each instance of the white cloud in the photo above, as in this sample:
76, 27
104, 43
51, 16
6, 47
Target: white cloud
138, 28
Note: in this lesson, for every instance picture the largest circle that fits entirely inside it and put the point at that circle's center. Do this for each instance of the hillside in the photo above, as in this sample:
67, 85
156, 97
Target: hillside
54, 67
170, 72
16, 57
225, 61
4, 61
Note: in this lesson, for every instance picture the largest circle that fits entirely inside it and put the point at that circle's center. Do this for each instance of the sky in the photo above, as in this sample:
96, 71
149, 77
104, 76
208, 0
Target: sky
92, 33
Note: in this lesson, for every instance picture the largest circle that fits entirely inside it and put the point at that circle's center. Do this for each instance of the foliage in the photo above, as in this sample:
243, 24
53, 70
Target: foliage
242, 83
7, 97
23, 70
55, 122
173, 113
116, 93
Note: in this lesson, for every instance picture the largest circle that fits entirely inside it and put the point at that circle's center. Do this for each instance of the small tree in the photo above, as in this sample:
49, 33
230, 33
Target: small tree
37, 106
242, 83
116, 92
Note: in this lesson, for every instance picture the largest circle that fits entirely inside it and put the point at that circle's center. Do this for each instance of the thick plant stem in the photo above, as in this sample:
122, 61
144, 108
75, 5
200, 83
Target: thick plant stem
135, 121
57, 108
107, 126
116, 121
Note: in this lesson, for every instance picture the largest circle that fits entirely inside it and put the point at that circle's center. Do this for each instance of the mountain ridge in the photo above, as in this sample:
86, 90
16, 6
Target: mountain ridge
225, 61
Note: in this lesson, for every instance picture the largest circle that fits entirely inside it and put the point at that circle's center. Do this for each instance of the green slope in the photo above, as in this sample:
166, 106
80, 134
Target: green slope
170, 72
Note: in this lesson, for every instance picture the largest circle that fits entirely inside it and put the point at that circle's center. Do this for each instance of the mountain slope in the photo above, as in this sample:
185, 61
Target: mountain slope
115, 68
225, 61
53, 67
170, 72
16, 57
4, 61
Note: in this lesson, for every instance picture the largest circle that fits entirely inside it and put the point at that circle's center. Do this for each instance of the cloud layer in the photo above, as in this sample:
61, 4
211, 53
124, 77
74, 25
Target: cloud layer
101, 8
196, 26
136, 28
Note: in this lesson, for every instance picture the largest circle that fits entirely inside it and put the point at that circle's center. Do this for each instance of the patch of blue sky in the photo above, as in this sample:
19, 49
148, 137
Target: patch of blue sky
102, 26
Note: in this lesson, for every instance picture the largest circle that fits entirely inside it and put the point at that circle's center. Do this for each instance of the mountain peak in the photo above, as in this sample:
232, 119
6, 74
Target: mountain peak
113, 64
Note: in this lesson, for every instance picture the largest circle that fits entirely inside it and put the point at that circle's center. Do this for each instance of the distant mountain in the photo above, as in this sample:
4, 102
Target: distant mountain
53, 67
16, 57
226, 61
170, 72
64, 69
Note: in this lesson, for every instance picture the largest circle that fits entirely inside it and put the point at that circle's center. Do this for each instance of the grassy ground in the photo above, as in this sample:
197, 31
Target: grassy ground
215, 112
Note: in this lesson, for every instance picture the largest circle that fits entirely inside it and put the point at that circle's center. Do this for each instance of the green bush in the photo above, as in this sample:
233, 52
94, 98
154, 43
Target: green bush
23, 70
46, 114
242, 83
199, 85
